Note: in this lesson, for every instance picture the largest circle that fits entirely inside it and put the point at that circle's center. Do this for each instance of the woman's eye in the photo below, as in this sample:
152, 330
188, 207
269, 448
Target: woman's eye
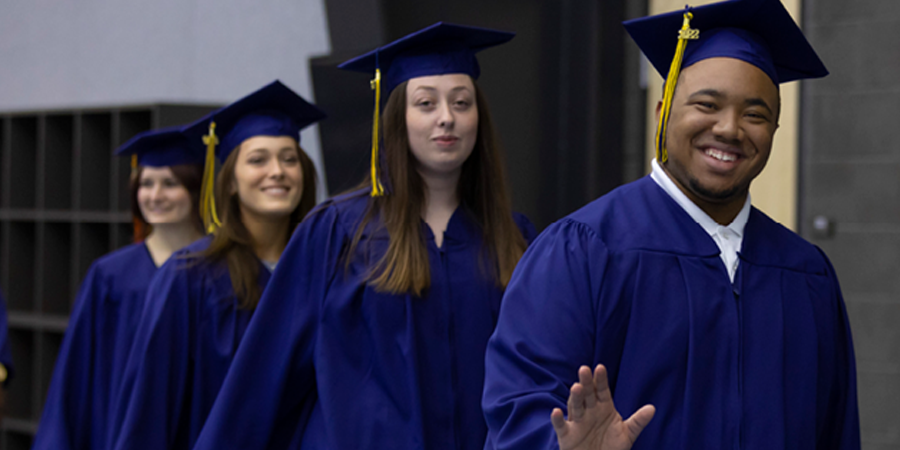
255, 161
425, 103
146, 183
170, 183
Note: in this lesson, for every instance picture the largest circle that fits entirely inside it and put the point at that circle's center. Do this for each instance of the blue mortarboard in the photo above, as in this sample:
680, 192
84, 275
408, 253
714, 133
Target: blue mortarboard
273, 110
163, 147
759, 32
439, 49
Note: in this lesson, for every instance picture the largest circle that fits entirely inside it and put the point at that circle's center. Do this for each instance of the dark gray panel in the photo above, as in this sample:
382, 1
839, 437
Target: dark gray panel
818, 12
874, 319
868, 61
865, 262
878, 408
23, 158
58, 149
853, 124
95, 160
854, 192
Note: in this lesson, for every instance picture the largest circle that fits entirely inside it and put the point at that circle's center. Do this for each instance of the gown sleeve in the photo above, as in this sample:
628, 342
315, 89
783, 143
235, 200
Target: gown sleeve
264, 399
156, 376
545, 331
66, 421
838, 410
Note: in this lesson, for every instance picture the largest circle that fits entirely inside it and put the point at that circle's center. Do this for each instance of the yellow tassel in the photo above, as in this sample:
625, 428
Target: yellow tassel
134, 163
684, 34
207, 196
377, 188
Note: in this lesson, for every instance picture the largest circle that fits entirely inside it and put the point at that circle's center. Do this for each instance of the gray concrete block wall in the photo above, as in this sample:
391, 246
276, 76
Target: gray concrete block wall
850, 164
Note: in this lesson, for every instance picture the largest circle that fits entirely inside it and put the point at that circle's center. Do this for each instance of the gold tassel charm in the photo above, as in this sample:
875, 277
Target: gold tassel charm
685, 34
377, 188
207, 197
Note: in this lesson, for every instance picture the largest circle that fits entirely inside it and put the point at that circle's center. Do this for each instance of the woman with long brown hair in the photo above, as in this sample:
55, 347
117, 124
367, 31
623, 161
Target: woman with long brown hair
372, 333
165, 192
200, 303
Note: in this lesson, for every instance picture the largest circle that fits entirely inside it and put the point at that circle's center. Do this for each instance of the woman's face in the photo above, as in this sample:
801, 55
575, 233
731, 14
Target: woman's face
162, 198
442, 121
268, 177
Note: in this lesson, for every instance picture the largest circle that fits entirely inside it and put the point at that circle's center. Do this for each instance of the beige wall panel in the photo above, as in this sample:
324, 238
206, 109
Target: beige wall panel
775, 190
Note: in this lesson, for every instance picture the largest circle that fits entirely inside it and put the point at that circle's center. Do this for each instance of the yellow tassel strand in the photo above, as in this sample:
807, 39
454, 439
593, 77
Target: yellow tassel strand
685, 34
134, 162
207, 197
377, 188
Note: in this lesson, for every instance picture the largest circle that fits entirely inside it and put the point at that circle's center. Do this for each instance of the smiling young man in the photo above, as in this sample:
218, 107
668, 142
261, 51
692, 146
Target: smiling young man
710, 325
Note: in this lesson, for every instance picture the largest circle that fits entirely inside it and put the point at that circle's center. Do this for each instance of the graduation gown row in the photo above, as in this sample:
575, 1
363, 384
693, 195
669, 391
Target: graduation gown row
632, 282
183, 346
330, 363
94, 350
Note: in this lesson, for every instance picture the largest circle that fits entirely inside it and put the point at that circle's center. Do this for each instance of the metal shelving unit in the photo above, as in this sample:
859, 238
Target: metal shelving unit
63, 203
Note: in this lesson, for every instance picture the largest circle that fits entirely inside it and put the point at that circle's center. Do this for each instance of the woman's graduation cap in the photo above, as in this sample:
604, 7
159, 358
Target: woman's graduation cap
439, 49
759, 32
160, 148
273, 110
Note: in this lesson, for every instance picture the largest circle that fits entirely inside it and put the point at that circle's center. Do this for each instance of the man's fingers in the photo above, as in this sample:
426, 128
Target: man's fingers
639, 420
585, 378
576, 402
601, 384
559, 422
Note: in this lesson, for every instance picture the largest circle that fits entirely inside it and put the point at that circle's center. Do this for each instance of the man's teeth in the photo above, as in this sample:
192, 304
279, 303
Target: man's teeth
721, 156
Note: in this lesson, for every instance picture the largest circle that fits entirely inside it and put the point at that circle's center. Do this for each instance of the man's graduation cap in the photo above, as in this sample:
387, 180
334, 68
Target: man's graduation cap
759, 32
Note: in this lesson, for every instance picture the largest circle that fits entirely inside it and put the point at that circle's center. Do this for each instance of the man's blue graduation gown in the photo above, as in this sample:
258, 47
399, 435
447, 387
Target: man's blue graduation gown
632, 282
95, 348
185, 341
329, 363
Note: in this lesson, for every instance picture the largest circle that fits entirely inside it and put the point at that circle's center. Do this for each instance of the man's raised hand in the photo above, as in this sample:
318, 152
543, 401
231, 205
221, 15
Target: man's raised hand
593, 422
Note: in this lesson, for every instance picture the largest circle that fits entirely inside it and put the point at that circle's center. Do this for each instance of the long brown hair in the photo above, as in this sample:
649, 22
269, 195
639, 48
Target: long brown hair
482, 192
232, 241
189, 175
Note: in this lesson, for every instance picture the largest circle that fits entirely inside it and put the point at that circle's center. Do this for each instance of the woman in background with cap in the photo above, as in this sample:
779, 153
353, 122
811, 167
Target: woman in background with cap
201, 302
376, 323
165, 192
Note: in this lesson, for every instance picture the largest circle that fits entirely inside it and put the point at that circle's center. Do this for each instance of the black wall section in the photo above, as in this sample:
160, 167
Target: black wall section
564, 94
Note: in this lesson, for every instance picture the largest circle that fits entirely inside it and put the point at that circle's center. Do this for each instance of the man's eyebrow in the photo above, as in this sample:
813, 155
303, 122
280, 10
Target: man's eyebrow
709, 92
